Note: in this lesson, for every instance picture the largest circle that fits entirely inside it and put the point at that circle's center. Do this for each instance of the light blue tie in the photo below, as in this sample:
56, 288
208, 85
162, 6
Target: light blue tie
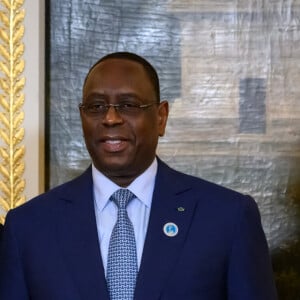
122, 259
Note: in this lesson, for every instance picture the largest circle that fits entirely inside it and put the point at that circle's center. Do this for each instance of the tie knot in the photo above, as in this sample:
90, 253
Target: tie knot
122, 197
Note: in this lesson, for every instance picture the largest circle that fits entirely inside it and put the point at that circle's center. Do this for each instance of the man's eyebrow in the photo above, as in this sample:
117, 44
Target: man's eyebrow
95, 95
104, 96
128, 94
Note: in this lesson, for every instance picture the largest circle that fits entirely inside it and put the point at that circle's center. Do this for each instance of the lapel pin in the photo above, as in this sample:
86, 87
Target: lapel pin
170, 229
181, 209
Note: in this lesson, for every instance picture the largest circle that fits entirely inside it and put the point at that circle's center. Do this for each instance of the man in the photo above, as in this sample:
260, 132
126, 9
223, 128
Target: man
192, 239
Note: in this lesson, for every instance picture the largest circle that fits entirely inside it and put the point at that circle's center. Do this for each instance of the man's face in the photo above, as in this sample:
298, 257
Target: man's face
121, 145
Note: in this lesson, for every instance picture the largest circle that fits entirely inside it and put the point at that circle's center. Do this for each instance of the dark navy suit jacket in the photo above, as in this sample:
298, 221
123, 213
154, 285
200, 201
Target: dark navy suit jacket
1, 228
50, 248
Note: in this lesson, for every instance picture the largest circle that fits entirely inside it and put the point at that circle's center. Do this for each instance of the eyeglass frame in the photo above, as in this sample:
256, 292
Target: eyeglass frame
118, 107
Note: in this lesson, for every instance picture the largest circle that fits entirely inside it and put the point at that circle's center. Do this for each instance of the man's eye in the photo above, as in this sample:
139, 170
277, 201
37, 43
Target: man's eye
96, 106
129, 105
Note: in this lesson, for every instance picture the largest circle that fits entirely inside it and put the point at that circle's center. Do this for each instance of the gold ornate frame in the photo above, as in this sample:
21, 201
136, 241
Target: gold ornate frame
12, 83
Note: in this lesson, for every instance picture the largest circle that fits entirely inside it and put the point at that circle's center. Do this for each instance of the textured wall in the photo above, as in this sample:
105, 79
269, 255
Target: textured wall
230, 72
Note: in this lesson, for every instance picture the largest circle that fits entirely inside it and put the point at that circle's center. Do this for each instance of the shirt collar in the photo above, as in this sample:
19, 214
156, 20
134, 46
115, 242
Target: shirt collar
142, 186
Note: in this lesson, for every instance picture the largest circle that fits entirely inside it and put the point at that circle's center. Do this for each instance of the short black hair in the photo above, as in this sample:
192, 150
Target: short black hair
150, 70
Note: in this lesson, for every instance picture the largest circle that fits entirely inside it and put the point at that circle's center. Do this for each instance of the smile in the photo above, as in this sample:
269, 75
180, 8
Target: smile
114, 145
113, 142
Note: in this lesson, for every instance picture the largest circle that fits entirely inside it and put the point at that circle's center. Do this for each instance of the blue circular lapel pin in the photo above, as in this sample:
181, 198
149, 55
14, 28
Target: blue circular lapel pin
170, 229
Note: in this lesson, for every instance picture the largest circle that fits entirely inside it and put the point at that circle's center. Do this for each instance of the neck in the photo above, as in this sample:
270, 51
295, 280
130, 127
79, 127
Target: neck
122, 178
122, 181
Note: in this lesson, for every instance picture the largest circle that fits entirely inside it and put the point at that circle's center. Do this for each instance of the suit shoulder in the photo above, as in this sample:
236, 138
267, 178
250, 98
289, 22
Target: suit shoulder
212, 191
49, 198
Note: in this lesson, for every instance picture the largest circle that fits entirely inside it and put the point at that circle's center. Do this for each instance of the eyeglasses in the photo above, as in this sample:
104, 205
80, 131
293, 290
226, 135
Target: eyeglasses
127, 109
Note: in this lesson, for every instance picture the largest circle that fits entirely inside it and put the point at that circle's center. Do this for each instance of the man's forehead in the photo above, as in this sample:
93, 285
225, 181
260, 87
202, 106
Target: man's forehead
120, 73
118, 66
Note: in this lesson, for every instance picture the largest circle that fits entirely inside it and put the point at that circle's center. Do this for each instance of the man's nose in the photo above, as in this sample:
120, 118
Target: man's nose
112, 116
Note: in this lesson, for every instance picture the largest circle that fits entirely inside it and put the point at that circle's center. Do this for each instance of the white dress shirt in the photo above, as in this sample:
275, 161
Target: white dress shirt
138, 209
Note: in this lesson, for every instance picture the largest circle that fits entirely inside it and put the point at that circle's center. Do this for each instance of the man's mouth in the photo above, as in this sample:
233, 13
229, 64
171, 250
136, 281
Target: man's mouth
113, 141
114, 145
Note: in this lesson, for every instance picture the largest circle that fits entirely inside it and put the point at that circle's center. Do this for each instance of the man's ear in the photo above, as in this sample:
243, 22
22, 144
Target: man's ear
163, 112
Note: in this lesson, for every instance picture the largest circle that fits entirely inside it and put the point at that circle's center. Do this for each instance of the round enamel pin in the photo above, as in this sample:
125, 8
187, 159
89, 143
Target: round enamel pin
170, 229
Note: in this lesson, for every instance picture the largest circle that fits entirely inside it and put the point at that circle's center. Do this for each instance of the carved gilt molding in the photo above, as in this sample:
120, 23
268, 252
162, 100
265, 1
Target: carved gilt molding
12, 83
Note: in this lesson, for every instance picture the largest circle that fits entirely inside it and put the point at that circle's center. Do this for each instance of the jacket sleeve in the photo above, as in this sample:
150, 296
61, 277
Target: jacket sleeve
12, 282
250, 273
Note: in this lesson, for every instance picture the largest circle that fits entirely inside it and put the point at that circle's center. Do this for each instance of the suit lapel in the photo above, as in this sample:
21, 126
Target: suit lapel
173, 202
78, 238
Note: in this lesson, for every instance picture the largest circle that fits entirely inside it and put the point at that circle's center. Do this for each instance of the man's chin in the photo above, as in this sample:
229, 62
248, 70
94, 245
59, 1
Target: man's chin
114, 168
